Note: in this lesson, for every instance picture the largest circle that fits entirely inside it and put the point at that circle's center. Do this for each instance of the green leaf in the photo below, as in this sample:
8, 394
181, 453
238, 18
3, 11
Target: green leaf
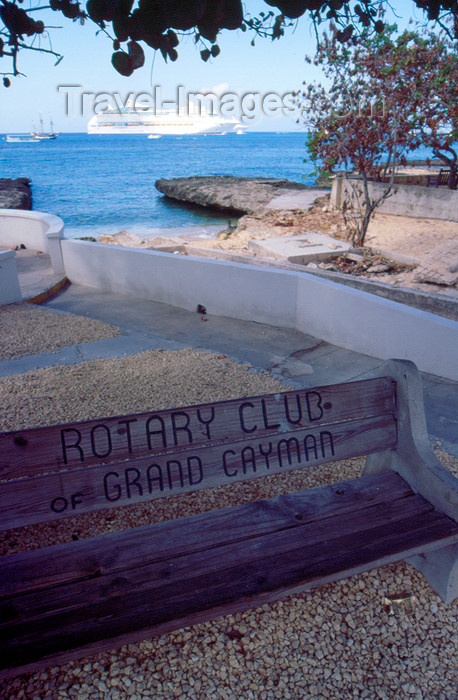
136, 54
120, 28
122, 62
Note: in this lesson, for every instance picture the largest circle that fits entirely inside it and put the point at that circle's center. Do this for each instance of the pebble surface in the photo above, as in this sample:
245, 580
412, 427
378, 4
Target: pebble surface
340, 640
26, 329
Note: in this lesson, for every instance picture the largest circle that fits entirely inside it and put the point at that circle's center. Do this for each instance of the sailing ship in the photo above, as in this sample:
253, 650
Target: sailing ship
34, 136
42, 135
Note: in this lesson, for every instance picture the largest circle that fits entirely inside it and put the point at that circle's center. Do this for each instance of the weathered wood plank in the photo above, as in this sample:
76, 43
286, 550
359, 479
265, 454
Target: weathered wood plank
53, 496
235, 578
86, 648
173, 569
111, 553
106, 440
132, 636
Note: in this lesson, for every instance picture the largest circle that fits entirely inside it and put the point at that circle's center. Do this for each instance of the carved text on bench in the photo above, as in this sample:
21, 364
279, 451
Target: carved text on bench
118, 460
201, 468
180, 428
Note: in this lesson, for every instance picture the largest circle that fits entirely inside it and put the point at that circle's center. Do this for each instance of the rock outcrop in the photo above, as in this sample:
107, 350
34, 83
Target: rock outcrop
235, 196
15, 194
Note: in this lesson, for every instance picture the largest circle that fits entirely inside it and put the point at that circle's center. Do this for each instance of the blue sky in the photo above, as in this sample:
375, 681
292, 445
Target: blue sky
277, 67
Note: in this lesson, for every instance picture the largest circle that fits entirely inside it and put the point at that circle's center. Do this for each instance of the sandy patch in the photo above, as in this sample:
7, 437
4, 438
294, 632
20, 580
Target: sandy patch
402, 234
410, 236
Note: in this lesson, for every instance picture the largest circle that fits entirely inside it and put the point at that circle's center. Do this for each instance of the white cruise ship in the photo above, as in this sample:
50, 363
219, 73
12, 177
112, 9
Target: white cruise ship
164, 122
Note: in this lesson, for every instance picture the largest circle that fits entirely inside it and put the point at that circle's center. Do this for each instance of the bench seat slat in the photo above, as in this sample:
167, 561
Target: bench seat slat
108, 554
142, 611
219, 576
174, 569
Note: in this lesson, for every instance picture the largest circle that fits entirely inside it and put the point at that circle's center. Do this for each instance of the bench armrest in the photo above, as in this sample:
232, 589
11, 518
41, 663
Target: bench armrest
413, 457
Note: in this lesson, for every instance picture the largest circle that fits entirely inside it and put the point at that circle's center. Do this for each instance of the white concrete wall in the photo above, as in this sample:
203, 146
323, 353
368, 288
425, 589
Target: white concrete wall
407, 200
36, 230
9, 283
377, 327
340, 315
242, 291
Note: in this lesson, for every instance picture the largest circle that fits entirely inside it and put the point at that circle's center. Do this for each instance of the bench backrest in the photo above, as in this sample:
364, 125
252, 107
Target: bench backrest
50, 473
441, 178
444, 176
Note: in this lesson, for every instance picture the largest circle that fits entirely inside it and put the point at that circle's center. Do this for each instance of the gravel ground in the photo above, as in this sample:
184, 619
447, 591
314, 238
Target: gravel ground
341, 640
27, 329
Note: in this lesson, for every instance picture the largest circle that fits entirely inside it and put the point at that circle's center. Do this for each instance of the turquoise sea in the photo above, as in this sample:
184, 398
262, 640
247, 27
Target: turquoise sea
104, 183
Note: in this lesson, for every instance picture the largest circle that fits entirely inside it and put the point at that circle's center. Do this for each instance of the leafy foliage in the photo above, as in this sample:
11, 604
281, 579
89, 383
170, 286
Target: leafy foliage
421, 73
387, 96
159, 23
19, 31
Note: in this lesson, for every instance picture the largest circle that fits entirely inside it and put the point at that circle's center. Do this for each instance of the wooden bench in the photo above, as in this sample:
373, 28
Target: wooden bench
69, 600
440, 179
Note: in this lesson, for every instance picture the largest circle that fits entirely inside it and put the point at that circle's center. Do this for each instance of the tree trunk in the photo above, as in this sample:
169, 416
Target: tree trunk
453, 179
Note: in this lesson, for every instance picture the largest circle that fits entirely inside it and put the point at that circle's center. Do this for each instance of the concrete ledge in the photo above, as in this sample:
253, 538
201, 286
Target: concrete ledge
34, 229
378, 327
224, 288
49, 292
434, 302
10, 291
401, 258
302, 249
350, 318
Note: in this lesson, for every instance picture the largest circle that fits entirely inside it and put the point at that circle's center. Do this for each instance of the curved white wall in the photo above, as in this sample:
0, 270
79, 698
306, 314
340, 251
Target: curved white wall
9, 283
338, 314
36, 230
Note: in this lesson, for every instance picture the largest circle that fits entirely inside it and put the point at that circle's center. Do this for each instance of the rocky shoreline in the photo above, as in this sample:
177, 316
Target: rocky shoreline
15, 194
412, 253
235, 196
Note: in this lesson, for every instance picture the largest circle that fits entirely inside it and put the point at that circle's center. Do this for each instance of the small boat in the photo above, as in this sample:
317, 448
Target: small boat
33, 137
21, 138
154, 136
42, 135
